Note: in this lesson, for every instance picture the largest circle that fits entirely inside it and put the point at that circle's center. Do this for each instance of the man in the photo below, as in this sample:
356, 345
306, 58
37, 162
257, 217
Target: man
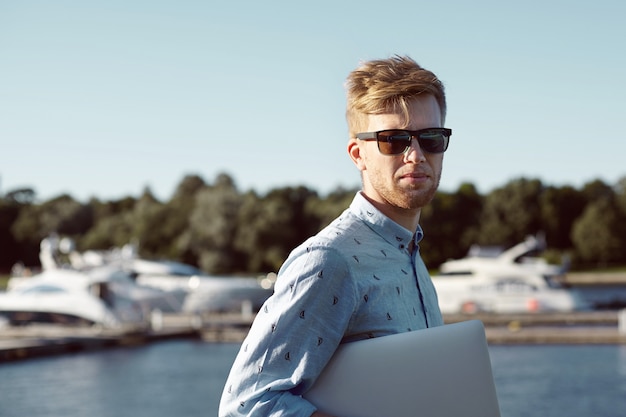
362, 276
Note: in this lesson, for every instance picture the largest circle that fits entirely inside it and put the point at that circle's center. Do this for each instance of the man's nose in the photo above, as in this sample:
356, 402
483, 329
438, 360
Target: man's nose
414, 153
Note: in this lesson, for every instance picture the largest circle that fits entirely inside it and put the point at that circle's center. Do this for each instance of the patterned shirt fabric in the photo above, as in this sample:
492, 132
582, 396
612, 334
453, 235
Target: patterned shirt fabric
355, 279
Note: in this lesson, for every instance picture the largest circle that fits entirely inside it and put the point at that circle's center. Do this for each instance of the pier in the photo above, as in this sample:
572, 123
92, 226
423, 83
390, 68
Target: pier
594, 327
24, 342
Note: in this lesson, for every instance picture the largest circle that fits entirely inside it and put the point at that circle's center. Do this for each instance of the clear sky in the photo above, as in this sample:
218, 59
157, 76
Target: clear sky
105, 98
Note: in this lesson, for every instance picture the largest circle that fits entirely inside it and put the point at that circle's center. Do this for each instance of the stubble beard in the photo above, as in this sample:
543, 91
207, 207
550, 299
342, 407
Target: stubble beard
416, 198
407, 198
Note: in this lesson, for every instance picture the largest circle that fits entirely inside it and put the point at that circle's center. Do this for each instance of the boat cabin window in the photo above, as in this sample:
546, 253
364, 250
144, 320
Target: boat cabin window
44, 288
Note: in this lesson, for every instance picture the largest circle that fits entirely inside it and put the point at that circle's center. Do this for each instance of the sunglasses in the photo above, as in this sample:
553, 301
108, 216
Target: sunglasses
397, 141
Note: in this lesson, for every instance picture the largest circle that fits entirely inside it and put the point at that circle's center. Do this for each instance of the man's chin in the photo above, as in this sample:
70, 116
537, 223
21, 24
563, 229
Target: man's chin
419, 198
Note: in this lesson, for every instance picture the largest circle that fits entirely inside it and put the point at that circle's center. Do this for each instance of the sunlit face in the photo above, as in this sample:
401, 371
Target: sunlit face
405, 182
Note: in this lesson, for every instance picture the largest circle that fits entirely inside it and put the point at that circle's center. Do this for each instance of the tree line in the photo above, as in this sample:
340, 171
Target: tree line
221, 230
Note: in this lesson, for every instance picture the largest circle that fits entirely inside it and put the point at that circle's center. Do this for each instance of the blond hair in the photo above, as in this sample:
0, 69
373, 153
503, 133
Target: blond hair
387, 86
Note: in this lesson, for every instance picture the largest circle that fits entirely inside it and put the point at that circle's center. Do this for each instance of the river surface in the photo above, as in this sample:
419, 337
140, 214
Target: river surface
185, 378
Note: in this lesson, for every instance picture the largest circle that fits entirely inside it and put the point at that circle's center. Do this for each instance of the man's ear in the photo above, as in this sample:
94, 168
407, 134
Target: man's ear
356, 154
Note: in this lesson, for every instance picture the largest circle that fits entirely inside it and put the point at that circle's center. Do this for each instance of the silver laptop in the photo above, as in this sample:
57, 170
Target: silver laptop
438, 372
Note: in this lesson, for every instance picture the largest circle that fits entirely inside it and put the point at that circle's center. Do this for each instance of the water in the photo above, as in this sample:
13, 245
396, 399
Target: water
185, 378
564, 381
174, 378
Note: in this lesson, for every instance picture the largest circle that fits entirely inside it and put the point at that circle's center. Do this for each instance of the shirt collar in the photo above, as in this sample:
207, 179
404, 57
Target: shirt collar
389, 230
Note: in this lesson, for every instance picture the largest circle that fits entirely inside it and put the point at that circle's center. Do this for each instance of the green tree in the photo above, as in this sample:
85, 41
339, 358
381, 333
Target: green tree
62, 215
450, 224
177, 213
620, 193
213, 226
11, 251
597, 190
560, 207
599, 234
189, 187
277, 223
148, 226
323, 210
112, 225
511, 213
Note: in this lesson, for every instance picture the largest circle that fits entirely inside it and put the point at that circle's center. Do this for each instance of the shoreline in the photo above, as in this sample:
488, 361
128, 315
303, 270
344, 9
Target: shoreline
32, 341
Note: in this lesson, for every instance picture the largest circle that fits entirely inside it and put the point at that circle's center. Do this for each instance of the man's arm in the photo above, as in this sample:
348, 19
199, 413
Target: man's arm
292, 337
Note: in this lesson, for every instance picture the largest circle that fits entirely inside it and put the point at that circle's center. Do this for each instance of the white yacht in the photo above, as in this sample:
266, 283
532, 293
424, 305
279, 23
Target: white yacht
68, 297
197, 291
511, 281
203, 293
99, 294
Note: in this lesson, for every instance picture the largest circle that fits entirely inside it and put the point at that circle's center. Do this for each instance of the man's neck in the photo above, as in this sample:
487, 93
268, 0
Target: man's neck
407, 218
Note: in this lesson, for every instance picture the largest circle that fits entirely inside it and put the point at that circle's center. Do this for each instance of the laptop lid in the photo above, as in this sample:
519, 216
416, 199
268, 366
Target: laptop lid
442, 371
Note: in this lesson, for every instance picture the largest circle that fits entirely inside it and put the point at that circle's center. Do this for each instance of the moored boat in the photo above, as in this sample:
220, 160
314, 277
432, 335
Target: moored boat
510, 281
69, 298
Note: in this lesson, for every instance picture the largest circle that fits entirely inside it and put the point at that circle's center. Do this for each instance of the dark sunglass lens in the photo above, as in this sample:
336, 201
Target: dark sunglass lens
434, 141
393, 142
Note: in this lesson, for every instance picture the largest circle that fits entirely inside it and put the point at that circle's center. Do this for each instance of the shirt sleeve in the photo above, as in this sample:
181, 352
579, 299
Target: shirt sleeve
293, 336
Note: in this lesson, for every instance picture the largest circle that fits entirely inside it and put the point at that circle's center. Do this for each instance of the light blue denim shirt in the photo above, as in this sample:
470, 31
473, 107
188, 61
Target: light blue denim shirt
355, 279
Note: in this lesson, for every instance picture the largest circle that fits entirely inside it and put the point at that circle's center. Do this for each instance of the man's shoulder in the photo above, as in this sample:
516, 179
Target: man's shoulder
347, 227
